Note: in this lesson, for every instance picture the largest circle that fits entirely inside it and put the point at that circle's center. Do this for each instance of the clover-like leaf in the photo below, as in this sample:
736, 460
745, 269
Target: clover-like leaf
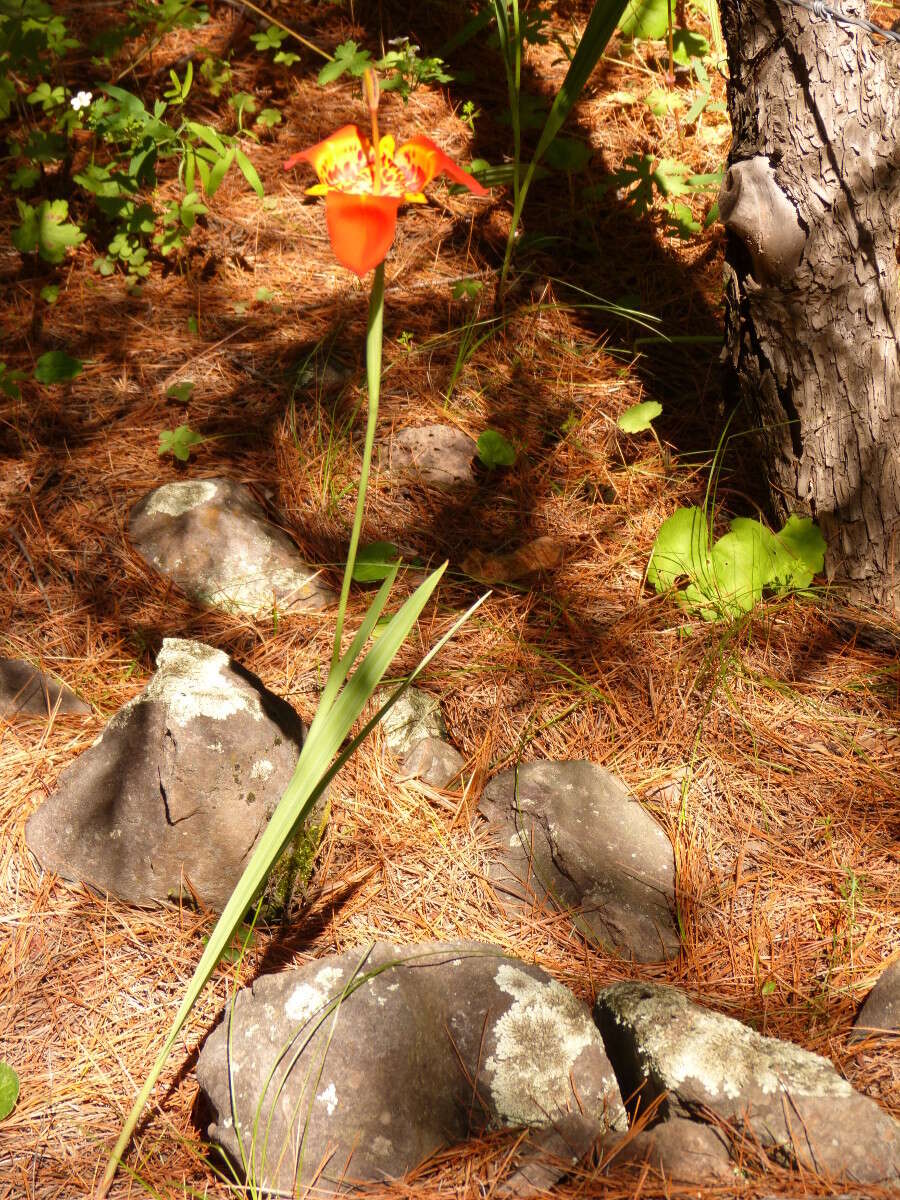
45, 230
639, 417
57, 367
494, 450
179, 441
181, 392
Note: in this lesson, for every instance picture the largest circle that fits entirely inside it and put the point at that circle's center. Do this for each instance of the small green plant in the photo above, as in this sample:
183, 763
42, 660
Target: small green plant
728, 577
470, 114
10, 380
181, 391
494, 450
57, 367
43, 228
403, 70
179, 441
9, 1090
467, 289
642, 175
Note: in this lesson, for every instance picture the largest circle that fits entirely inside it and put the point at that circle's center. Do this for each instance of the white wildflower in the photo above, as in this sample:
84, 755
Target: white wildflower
82, 100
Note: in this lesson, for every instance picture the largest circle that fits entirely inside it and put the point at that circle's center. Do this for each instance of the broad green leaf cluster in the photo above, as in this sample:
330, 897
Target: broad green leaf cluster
131, 141
729, 577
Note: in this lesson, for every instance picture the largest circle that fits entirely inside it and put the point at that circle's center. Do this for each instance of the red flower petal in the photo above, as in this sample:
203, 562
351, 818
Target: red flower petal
361, 228
420, 160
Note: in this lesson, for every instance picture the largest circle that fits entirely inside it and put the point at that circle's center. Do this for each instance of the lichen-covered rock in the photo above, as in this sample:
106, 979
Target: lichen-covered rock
211, 538
438, 456
174, 793
433, 761
793, 1102
415, 716
881, 1012
570, 832
369, 1062
27, 691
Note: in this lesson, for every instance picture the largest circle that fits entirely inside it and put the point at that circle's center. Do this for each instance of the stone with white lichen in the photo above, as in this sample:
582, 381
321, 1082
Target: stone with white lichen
370, 1061
172, 796
211, 538
793, 1103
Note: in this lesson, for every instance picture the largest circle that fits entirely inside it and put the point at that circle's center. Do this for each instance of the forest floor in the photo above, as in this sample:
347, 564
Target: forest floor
777, 732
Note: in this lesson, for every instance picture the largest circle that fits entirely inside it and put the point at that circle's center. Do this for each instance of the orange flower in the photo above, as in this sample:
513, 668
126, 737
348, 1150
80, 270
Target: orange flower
362, 196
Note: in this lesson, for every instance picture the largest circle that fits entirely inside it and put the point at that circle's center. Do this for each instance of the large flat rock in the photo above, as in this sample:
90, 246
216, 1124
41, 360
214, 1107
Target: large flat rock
570, 832
792, 1102
363, 1064
173, 795
211, 538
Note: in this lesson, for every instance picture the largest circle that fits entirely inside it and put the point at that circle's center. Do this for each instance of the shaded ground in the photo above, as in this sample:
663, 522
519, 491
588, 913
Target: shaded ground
784, 725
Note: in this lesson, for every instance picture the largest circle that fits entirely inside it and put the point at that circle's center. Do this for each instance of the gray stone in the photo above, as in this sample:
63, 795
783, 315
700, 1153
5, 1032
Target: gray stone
211, 538
433, 761
437, 455
792, 1102
178, 786
365, 1063
27, 691
415, 716
569, 831
881, 1012
679, 1149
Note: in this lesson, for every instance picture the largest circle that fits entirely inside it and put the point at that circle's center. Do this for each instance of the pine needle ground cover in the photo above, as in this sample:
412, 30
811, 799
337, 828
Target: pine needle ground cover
766, 745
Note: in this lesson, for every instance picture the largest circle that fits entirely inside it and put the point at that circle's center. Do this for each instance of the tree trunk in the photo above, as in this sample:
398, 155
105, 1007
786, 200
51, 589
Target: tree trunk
811, 200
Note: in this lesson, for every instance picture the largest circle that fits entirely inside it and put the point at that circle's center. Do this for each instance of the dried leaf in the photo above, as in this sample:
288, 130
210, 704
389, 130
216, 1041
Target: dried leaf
543, 554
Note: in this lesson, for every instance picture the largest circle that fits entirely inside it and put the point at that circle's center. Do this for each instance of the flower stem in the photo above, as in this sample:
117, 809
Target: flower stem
374, 338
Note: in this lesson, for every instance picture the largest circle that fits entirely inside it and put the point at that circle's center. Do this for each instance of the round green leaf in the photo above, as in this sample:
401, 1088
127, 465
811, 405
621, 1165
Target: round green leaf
681, 548
639, 417
494, 450
645, 18
9, 1090
56, 367
568, 154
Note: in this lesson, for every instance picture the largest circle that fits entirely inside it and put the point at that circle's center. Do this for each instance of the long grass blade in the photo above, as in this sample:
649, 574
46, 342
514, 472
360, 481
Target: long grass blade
308, 782
600, 27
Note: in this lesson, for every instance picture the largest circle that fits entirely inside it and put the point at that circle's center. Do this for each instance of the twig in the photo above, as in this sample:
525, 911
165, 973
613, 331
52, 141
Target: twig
37, 579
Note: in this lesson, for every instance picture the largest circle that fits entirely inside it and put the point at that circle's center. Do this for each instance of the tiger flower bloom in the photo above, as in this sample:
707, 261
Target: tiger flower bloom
363, 191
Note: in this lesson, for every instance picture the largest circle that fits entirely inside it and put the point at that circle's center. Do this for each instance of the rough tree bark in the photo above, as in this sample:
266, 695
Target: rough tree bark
811, 200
